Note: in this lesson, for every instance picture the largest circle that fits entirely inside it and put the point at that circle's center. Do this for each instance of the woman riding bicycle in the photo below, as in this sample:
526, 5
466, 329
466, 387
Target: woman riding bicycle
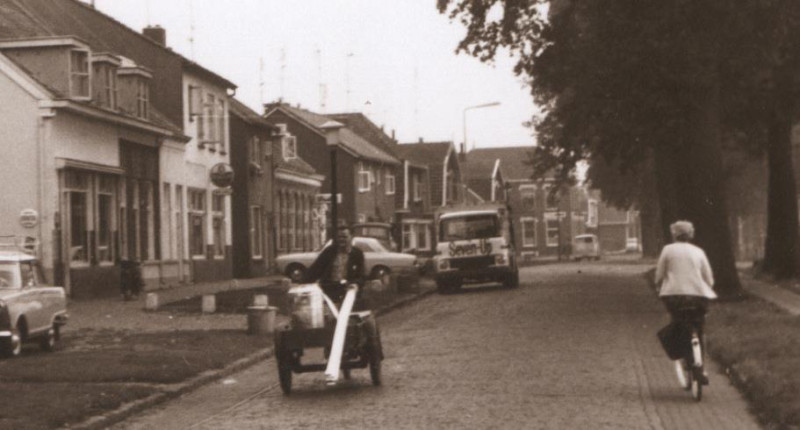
685, 277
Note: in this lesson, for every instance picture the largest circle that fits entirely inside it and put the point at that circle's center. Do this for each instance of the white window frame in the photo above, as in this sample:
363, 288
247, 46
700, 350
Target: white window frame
426, 226
197, 195
548, 217
218, 215
524, 230
407, 243
390, 183
547, 206
416, 179
364, 175
219, 117
143, 99
76, 75
524, 190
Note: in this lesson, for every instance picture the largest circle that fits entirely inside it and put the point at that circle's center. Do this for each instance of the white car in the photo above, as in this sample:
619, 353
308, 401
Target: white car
379, 262
29, 310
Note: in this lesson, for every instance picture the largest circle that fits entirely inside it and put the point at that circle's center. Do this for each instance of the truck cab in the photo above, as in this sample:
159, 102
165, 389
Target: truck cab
475, 245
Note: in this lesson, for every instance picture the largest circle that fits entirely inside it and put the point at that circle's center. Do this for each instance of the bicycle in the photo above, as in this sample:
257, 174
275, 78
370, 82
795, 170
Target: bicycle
689, 369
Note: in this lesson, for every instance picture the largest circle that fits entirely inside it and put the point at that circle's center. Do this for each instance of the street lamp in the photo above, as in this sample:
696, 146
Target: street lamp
332, 140
464, 120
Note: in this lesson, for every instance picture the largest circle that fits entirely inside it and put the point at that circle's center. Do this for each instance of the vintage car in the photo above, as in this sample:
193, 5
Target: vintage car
29, 310
379, 230
586, 246
380, 262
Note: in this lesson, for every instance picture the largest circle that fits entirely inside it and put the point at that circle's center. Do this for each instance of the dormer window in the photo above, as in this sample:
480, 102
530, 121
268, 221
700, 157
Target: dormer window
104, 80
143, 99
79, 74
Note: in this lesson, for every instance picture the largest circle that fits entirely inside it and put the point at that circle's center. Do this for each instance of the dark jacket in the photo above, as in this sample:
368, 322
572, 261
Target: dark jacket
320, 270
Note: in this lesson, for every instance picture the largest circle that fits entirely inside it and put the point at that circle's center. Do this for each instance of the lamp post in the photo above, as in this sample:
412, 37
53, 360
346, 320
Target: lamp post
464, 120
332, 140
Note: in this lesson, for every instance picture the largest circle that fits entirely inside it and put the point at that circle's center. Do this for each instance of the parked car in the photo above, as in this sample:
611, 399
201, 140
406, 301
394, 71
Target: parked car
586, 246
29, 309
380, 263
379, 230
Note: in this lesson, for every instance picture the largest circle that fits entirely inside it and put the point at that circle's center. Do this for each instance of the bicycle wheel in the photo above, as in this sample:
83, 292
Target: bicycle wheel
697, 368
682, 372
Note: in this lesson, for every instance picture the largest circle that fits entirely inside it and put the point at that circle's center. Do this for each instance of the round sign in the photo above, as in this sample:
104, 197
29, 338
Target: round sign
29, 218
222, 175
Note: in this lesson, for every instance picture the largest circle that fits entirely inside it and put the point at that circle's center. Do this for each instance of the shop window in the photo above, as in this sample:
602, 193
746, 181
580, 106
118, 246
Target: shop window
218, 224
197, 218
79, 74
79, 249
105, 214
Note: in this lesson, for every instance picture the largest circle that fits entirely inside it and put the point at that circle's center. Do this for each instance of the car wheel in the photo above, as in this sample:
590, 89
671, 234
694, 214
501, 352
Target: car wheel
296, 272
382, 274
48, 342
12, 345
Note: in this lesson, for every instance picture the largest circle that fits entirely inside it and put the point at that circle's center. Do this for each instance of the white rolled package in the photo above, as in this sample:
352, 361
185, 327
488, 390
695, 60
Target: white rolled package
307, 306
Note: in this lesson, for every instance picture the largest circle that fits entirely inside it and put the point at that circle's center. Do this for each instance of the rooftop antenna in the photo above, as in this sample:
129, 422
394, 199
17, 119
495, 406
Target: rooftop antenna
347, 80
322, 90
261, 81
283, 72
191, 30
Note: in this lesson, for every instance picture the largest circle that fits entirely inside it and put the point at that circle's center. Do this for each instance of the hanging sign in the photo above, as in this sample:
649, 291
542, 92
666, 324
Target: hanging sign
222, 175
28, 218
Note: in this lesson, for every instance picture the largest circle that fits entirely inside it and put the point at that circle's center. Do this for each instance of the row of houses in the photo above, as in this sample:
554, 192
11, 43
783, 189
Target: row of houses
118, 148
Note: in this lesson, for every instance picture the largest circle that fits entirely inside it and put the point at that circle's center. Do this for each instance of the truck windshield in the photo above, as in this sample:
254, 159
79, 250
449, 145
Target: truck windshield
468, 227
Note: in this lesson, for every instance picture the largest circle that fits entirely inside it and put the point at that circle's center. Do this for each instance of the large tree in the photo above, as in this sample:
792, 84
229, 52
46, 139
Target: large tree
621, 80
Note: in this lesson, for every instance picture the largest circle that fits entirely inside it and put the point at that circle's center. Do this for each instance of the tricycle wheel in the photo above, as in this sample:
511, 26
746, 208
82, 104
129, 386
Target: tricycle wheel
284, 361
48, 342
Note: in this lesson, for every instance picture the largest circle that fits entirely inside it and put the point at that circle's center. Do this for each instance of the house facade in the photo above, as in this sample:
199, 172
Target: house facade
365, 174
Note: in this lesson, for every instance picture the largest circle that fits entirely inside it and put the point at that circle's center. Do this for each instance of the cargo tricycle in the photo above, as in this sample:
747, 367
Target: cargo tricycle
353, 344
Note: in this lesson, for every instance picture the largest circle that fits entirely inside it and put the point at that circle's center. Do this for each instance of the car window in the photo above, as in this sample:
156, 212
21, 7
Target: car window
369, 245
28, 273
9, 275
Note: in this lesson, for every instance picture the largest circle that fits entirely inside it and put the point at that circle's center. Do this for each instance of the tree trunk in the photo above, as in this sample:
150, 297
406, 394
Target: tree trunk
702, 198
782, 247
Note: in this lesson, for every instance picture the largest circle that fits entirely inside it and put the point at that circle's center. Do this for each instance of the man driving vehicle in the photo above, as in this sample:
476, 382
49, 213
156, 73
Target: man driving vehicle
338, 265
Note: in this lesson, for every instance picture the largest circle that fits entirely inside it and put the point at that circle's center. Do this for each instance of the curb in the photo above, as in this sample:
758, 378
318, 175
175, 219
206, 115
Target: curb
129, 409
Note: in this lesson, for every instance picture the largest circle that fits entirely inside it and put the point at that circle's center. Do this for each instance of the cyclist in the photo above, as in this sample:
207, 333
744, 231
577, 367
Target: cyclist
685, 277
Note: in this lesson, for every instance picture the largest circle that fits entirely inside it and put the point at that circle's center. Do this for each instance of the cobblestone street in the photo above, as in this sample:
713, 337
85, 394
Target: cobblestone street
573, 347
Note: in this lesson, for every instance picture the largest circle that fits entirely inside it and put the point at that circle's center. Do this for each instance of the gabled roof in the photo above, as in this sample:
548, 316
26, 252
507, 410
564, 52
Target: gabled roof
37, 18
513, 162
367, 129
425, 153
248, 115
351, 141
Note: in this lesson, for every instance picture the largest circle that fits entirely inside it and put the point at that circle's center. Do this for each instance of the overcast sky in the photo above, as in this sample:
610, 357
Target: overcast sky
396, 57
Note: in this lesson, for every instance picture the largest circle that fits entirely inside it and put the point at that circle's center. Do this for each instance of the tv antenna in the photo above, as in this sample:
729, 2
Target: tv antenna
283, 73
191, 30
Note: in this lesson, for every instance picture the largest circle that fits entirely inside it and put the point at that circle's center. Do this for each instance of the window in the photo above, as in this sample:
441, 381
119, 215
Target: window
197, 219
166, 216
528, 197
416, 236
423, 237
143, 99
364, 177
298, 224
417, 187
408, 237
146, 221
220, 118
469, 227
289, 147
591, 216
256, 233
123, 221
552, 225
208, 117
528, 232
551, 199
105, 85
111, 88
256, 151
79, 243
291, 220
105, 213
218, 224
390, 182
79, 74
179, 226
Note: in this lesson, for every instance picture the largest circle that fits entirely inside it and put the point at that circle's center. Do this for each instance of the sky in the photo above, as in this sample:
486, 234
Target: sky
392, 60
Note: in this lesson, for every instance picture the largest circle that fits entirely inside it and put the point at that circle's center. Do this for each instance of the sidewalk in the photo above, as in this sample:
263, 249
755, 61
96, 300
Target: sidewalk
114, 313
770, 292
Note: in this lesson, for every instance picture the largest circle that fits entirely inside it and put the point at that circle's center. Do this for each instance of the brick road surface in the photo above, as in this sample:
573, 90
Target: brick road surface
574, 347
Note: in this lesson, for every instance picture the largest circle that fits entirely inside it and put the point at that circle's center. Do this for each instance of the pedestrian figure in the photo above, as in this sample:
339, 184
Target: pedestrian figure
686, 281
131, 280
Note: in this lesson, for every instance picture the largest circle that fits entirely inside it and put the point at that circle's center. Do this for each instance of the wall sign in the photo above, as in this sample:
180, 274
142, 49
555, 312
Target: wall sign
222, 175
28, 218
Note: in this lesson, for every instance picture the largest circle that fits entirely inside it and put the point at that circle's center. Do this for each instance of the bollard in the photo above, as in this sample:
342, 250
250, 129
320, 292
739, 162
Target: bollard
209, 304
261, 319
151, 302
261, 300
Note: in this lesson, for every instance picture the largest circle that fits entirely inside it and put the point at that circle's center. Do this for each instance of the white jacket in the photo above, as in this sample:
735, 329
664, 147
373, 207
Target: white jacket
684, 270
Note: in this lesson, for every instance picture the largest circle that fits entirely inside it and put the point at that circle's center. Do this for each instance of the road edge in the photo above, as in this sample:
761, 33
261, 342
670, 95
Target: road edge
128, 409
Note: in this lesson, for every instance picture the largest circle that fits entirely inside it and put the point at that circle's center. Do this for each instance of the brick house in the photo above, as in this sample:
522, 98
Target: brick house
365, 173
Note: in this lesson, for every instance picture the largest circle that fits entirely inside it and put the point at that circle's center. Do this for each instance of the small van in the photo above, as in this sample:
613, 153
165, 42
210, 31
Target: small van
586, 246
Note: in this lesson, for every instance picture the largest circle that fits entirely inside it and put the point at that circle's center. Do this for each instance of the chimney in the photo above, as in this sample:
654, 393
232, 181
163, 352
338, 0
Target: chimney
156, 34
463, 153
393, 138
